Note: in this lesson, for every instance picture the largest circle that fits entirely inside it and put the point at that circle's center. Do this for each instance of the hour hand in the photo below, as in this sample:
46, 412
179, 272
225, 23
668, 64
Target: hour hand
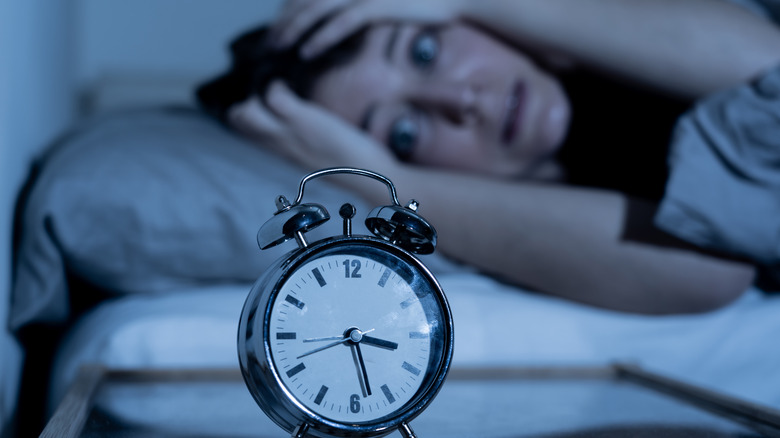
381, 343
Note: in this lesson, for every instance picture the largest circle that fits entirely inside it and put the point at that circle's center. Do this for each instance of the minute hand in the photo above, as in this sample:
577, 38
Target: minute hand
381, 343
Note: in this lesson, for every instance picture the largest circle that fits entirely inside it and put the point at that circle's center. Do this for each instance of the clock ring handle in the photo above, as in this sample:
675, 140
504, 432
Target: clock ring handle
346, 170
401, 226
293, 220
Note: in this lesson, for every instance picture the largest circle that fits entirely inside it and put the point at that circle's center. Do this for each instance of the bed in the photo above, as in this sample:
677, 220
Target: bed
157, 209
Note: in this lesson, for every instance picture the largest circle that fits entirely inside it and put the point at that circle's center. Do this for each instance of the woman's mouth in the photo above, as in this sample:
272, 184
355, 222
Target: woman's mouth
513, 114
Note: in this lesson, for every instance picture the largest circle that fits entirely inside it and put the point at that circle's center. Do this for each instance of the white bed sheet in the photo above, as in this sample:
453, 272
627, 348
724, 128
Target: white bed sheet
733, 351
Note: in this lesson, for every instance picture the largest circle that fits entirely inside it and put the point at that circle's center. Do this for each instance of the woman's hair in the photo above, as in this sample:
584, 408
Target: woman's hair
254, 65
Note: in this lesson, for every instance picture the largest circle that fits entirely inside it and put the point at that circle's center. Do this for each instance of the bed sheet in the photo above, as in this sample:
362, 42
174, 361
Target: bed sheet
732, 350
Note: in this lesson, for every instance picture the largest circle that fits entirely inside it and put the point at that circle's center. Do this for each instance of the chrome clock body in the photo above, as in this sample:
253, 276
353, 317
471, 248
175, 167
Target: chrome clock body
351, 335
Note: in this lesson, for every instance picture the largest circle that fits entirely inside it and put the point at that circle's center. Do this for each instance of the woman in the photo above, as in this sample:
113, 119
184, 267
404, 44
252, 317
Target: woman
473, 107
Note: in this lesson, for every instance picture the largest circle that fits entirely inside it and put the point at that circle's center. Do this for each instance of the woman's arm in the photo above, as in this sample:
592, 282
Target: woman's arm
686, 47
590, 246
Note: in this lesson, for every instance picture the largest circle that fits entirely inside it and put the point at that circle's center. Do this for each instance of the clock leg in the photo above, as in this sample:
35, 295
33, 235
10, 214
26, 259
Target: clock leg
406, 430
300, 431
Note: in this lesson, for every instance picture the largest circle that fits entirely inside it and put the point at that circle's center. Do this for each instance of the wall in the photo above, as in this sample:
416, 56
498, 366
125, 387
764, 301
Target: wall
141, 51
58, 55
36, 103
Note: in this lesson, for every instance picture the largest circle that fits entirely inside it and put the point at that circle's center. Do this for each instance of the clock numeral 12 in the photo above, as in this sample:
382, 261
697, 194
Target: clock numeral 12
355, 265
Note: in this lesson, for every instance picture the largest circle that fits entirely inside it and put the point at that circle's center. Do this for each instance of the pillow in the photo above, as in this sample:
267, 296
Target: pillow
154, 200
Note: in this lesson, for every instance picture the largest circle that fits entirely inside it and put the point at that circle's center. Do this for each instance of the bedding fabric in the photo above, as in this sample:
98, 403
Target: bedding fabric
153, 200
496, 325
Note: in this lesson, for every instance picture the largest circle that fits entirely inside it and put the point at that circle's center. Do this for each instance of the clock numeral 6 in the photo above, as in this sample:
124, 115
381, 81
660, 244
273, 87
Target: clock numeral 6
355, 265
354, 403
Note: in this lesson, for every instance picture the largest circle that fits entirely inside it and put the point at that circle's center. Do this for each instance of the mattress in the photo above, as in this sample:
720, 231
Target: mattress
732, 351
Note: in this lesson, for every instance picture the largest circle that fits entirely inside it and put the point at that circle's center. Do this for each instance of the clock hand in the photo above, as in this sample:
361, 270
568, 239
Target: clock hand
381, 343
324, 347
367, 339
361, 366
355, 333
327, 338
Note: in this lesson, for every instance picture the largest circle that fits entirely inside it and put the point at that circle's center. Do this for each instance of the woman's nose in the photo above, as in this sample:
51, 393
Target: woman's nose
456, 101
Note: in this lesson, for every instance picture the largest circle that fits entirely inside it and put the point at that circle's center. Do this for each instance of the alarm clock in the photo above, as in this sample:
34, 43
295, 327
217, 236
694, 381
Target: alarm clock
350, 335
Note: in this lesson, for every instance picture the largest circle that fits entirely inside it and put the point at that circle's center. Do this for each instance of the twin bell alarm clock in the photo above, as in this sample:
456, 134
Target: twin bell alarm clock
350, 335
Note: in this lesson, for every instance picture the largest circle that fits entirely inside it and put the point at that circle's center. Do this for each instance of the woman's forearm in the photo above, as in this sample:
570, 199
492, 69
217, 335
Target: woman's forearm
575, 243
688, 47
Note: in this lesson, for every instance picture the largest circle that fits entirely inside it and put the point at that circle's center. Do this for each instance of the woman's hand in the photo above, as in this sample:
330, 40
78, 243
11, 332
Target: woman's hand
348, 16
306, 133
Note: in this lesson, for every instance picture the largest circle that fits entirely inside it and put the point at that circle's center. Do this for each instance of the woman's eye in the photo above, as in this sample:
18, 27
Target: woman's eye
403, 137
425, 49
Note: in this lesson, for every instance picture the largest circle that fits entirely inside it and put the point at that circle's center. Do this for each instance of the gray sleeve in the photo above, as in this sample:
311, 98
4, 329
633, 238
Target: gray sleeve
724, 187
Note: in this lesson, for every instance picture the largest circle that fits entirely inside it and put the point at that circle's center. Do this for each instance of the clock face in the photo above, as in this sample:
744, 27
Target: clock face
356, 334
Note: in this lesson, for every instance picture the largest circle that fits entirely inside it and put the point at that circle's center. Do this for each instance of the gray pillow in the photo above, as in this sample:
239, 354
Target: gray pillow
151, 201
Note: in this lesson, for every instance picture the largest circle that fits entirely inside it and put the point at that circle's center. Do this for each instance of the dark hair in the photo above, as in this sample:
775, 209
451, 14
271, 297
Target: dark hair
254, 65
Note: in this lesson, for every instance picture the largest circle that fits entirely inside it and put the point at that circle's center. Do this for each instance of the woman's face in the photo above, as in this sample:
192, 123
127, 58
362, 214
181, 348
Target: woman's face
450, 97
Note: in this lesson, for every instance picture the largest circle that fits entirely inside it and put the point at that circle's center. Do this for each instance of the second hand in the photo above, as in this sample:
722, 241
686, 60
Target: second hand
333, 344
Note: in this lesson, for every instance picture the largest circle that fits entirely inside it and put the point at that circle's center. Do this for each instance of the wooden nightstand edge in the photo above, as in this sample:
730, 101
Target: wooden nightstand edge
71, 415
764, 419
